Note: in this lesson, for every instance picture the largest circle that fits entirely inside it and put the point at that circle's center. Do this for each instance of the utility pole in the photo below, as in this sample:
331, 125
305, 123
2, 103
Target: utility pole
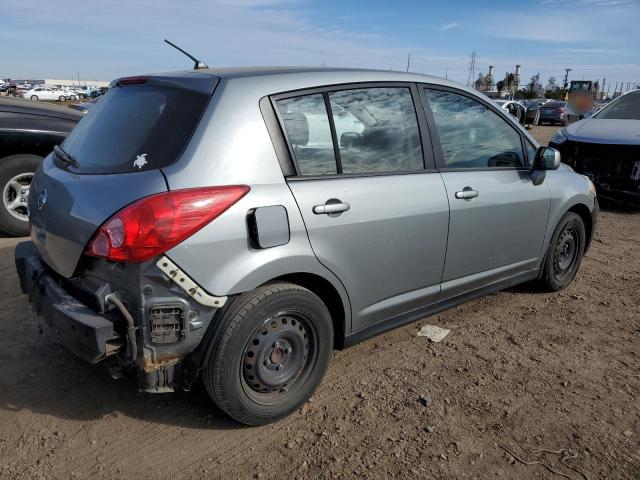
446, 73
604, 80
408, 61
615, 90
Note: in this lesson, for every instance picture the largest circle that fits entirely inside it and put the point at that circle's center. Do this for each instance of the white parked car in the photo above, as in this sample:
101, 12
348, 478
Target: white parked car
43, 93
527, 116
71, 93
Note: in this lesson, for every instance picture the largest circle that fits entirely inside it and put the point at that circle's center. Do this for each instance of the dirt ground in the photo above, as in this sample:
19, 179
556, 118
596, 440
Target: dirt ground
522, 369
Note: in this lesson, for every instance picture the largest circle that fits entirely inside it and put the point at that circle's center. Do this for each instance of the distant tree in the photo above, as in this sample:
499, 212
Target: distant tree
556, 94
500, 87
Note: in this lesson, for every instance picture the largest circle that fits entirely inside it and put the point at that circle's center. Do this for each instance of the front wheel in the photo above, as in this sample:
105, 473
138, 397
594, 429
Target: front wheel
34, 97
16, 173
565, 252
62, 98
269, 354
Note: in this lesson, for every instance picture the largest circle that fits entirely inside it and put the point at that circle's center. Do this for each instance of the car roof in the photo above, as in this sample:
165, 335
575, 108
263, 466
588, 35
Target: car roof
308, 77
20, 105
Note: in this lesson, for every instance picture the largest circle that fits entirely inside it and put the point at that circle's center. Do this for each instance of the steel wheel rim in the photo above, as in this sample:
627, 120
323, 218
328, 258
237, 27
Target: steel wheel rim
15, 195
566, 252
278, 357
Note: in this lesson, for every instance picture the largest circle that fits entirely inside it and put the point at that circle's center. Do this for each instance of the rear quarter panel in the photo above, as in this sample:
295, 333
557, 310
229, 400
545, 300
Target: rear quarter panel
232, 146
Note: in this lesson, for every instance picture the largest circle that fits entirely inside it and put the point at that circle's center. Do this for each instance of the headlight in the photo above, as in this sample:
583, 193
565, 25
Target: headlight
558, 138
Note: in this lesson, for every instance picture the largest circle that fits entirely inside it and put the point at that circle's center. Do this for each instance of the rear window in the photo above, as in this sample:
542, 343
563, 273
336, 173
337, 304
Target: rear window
134, 128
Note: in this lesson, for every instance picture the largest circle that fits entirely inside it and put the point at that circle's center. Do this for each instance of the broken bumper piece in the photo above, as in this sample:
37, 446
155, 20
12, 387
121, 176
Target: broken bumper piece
79, 329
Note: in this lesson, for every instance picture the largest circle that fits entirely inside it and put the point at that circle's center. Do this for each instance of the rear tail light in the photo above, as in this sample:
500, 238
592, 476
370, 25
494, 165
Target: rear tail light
155, 224
561, 110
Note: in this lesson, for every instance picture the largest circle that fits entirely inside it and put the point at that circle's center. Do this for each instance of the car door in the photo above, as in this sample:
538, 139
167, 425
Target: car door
498, 216
376, 214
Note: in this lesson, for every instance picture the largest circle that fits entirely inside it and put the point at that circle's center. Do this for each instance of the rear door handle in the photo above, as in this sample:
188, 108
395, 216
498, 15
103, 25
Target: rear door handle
331, 208
466, 193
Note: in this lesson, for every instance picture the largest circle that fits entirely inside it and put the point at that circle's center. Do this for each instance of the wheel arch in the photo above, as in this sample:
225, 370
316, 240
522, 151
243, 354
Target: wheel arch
585, 214
338, 307
324, 289
28, 143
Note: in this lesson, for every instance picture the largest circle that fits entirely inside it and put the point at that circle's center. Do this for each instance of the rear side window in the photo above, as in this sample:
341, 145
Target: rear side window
307, 126
133, 128
376, 130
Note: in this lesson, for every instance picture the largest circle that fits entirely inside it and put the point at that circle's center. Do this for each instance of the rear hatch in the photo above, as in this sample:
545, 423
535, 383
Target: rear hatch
141, 125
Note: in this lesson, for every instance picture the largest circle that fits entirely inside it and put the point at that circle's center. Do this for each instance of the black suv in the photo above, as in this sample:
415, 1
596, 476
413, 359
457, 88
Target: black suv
28, 132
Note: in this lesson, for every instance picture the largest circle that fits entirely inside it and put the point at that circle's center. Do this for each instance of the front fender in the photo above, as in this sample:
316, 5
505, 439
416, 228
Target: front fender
568, 190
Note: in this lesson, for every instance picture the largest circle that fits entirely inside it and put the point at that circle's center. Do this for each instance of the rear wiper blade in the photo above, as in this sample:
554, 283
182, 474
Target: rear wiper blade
65, 157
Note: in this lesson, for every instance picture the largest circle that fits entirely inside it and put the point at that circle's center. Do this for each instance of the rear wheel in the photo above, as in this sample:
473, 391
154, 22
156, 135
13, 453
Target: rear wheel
565, 252
16, 173
270, 353
34, 97
62, 98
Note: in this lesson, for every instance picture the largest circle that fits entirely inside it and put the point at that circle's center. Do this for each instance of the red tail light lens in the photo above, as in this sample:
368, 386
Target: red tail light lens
155, 224
561, 110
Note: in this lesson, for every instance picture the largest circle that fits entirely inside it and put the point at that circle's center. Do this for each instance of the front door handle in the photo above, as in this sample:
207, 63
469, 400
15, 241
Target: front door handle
466, 193
331, 208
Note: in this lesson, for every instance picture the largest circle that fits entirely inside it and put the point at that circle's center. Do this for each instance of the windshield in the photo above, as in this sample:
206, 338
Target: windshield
134, 128
626, 107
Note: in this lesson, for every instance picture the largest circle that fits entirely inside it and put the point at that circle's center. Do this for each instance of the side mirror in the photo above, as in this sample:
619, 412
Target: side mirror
547, 158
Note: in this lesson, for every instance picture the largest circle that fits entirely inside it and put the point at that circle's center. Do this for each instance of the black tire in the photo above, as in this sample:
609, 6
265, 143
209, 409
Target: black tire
269, 354
34, 97
18, 167
565, 252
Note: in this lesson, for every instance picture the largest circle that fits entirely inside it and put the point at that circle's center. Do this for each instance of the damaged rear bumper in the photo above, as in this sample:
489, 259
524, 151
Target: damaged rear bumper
78, 328
171, 321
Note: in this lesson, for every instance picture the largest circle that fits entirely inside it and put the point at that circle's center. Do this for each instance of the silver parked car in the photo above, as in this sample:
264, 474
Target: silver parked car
238, 225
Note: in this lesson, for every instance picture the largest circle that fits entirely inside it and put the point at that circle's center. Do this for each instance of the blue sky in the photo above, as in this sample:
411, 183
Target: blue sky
111, 38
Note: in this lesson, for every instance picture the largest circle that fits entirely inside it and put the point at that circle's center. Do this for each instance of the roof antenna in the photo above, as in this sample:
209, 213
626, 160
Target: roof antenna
198, 64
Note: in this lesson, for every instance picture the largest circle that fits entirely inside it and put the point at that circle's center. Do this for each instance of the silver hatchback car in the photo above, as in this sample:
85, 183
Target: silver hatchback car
238, 225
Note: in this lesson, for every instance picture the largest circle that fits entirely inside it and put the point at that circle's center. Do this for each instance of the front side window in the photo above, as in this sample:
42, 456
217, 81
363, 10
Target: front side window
307, 126
377, 130
472, 135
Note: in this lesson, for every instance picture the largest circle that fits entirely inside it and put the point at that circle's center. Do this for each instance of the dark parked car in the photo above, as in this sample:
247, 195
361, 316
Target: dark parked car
553, 112
28, 132
606, 148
